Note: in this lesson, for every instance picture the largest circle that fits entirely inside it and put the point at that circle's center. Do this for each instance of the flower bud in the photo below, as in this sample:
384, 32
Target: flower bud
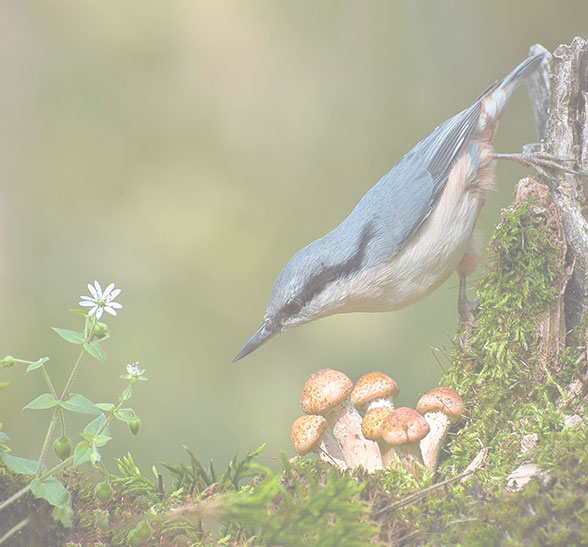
100, 330
62, 446
135, 425
8, 361
138, 535
103, 491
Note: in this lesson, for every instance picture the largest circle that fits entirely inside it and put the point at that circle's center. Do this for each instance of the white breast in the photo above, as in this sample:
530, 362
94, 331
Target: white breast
433, 253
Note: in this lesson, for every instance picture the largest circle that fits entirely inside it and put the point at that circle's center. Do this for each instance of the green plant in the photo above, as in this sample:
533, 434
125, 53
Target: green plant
96, 434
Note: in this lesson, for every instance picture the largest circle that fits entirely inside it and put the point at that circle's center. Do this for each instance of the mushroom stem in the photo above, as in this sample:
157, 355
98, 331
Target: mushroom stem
388, 453
330, 452
410, 457
385, 402
431, 444
357, 450
440, 407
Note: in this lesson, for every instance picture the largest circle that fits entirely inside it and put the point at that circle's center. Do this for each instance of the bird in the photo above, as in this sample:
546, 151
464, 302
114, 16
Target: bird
408, 233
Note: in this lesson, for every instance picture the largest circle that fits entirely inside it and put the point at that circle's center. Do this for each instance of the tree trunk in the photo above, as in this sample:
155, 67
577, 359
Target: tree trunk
559, 95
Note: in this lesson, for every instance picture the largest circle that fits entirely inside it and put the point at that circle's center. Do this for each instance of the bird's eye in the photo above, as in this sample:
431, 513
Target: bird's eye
293, 307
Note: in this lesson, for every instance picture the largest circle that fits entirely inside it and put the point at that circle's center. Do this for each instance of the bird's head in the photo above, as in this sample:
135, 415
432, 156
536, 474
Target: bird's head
315, 283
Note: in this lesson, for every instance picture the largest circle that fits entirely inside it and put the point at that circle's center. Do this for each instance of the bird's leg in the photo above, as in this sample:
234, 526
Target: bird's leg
541, 161
467, 308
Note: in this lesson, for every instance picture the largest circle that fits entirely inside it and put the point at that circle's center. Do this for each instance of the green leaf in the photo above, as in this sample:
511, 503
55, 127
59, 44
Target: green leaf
107, 407
126, 415
127, 392
63, 514
37, 364
101, 440
94, 427
3, 437
22, 466
96, 351
82, 453
80, 404
51, 490
4, 385
43, 401
72, 336
98, 440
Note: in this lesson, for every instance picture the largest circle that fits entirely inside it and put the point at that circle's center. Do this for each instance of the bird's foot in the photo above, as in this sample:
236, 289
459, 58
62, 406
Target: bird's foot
542, 162
467, 311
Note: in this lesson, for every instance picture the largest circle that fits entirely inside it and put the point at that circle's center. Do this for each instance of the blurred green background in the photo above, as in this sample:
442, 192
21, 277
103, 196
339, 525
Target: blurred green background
185, 150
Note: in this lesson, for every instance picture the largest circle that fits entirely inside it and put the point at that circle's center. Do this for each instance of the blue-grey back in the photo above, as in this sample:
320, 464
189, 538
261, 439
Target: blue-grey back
398, 204
391, 212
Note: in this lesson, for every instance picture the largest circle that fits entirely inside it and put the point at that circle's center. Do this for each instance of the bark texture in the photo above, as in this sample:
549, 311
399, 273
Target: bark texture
559, 94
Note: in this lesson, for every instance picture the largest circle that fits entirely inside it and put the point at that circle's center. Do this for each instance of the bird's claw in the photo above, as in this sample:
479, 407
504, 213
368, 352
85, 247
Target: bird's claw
541, 162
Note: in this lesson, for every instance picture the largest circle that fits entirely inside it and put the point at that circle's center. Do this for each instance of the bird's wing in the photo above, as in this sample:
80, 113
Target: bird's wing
403, 198
406, 195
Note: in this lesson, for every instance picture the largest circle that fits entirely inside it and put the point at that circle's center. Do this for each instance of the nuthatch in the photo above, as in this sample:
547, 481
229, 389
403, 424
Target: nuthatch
407, 234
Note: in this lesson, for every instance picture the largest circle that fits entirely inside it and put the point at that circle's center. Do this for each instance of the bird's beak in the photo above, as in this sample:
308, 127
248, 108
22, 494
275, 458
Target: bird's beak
262, 335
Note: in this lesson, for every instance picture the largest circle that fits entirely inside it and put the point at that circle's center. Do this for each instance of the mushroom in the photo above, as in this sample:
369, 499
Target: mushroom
326, 392
403, 429
440, 407
372, 428
372, 390
309, 434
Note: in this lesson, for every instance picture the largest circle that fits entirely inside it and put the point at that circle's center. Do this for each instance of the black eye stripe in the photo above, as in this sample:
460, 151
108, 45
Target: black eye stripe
317, 282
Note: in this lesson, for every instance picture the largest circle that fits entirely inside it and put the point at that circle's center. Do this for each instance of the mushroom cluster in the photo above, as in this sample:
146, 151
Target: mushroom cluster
385, 435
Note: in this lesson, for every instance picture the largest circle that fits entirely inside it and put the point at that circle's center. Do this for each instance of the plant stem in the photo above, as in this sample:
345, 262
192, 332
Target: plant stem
54, 393
49, 382
73, 375
14, 530
47, 440
26, 488
59, 466
57, 412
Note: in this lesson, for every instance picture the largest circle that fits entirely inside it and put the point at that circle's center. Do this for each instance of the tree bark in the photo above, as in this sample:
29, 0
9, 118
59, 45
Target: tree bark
559, 95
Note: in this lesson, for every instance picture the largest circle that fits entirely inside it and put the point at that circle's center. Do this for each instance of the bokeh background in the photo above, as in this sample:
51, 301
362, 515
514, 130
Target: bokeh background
185, 150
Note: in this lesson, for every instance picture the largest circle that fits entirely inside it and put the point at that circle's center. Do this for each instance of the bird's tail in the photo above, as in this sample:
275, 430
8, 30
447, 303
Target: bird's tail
495, 98
526, 68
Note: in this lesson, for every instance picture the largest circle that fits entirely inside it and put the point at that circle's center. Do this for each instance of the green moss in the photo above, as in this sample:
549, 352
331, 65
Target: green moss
41, 528
507, 398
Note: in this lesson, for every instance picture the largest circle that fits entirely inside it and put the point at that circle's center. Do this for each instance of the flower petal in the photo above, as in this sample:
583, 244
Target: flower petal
107, 291
98, 290
93, 290
86, 303
114, 294
99, 312
115, 305
87, 298
109, 310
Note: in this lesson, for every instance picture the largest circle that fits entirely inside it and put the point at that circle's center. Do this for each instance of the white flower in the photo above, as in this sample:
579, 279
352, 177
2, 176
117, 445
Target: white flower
101, 301
134, 370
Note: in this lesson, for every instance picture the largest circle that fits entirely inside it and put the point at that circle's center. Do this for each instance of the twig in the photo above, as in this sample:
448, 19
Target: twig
160, 492
422, 493
14, 530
